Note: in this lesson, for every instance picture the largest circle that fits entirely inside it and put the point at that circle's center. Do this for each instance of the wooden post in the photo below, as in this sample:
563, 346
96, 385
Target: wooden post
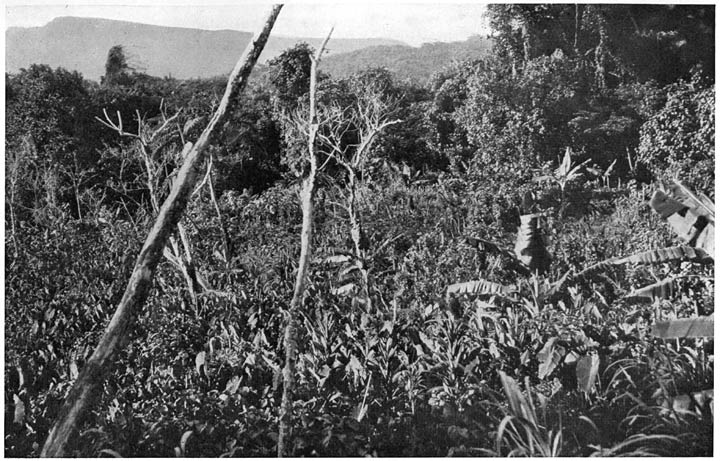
89, 383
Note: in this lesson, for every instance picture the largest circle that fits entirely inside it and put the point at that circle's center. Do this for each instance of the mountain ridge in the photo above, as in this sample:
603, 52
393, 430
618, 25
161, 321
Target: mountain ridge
158, 50
82, 44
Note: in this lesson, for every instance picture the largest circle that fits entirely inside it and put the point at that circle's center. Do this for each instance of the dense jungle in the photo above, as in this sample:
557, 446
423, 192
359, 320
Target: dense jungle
513, 257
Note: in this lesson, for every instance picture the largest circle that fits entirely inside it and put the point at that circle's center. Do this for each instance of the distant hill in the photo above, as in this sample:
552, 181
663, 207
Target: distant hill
82, 44
405, 62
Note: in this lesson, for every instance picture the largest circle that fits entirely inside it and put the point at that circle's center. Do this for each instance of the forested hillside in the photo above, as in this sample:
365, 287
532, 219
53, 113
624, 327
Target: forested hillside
417, 64
514, 257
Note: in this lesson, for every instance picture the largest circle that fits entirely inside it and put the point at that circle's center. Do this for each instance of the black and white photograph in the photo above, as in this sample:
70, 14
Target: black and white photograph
358, 229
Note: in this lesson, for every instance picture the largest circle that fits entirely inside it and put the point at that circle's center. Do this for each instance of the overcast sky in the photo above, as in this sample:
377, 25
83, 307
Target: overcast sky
413, 23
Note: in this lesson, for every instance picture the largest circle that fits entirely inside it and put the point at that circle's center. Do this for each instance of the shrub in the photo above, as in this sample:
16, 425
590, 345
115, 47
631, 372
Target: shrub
679, 140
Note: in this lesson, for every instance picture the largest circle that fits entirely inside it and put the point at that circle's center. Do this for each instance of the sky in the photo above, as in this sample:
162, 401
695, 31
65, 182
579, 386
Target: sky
414, 23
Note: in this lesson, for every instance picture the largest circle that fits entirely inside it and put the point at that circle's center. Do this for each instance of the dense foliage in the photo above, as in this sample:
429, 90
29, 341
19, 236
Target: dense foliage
464, 351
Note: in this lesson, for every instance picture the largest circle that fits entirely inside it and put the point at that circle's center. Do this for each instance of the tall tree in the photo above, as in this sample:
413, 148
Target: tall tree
290, 76
116, 66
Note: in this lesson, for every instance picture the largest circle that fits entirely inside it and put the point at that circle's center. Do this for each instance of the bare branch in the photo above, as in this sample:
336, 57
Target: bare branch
367, 142
321, 50
174, 260
162, 127
115, 126
327, 160
205, 178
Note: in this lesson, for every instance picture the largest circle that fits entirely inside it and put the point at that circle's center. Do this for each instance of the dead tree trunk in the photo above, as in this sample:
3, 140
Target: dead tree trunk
359, 239
89, 383
306, 196
150, 144
368, 117
601, 50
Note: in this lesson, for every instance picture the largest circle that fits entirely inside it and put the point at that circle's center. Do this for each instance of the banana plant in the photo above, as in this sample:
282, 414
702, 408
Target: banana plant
548, 291
530, 246
691, 216
681, 253
530, 256
563, 175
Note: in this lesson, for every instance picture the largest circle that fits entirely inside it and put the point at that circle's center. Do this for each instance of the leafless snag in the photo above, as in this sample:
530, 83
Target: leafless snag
150, 143
306, 197
369, 118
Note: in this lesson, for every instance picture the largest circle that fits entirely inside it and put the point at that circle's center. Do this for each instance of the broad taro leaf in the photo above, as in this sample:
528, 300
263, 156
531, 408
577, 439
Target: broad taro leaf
686, 402
549, 357
586, 370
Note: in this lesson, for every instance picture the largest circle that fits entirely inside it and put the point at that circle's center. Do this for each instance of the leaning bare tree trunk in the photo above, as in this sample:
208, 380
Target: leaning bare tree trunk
91, 379
306, 195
